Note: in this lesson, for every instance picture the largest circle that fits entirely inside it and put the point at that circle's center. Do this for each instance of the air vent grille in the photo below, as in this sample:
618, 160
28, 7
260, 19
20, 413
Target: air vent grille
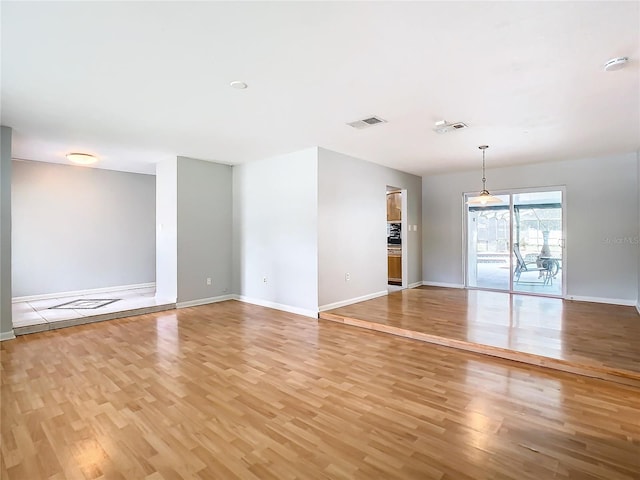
367, 122
444, 127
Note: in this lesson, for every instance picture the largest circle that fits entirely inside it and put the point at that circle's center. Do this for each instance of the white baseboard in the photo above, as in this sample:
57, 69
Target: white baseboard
344, 303
612, 301
638, 308
414, 285
278, 306
7, 336
91, 291
445, 285
205, 301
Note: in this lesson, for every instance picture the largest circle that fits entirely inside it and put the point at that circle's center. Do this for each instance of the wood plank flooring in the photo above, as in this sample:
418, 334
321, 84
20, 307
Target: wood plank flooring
231, 390
587, 338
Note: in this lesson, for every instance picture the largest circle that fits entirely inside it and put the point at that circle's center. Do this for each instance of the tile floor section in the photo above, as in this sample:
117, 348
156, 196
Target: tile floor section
41, 315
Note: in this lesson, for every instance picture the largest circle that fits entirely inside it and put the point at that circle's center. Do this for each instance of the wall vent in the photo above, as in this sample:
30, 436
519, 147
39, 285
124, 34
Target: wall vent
444, 127
367, 122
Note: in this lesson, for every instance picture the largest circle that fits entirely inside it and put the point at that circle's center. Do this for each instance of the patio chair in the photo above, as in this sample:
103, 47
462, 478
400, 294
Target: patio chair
523, 265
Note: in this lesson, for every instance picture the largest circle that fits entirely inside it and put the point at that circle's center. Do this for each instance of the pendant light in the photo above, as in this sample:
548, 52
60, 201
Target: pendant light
485, 198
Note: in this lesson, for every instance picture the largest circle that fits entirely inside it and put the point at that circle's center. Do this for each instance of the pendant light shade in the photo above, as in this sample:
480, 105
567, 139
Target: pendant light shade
485, 198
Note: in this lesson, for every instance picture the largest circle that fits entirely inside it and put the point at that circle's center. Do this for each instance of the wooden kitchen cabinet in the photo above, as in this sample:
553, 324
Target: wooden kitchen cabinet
394, 263
394, 207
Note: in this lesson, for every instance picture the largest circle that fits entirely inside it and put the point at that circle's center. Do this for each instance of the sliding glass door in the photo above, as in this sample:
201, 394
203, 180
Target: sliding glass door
537, 242
488, 245
517, 245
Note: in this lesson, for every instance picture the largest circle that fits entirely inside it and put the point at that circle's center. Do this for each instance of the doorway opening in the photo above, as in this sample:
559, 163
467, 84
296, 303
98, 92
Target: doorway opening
517, 245
396, 238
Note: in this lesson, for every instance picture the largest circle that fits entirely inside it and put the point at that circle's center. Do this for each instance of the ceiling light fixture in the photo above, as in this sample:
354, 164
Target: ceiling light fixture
238, 85
485, 198
81, 158
614, 64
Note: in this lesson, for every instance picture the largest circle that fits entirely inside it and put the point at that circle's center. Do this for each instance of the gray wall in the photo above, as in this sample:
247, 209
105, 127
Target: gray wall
6, 324
352, 221
601, 209
204, 229
167, 230
77, 228
275, 231
638, 237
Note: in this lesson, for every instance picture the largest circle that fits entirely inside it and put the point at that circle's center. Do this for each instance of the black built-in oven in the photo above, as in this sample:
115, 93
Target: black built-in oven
394, 236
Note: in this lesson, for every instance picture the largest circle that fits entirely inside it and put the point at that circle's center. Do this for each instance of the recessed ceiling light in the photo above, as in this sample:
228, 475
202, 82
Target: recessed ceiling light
238, 85
615, 64
81, 158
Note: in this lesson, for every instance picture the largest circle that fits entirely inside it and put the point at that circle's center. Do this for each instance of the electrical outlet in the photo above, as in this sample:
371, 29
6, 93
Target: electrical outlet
347, 277
264, 279
208, 280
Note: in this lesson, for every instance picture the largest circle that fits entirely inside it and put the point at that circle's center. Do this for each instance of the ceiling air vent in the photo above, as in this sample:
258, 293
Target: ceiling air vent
366, 122
444, 127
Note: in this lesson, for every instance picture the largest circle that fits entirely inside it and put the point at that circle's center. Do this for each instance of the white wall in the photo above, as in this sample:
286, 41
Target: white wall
352, 219
204, 229
275, 231
77, 228
638, 237
6, 323
167, 230
601, 211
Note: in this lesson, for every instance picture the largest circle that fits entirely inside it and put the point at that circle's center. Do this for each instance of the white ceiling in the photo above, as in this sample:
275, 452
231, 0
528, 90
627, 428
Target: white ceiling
140, 82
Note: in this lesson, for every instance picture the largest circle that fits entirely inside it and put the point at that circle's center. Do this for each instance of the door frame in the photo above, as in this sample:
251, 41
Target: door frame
510, 193
405, 238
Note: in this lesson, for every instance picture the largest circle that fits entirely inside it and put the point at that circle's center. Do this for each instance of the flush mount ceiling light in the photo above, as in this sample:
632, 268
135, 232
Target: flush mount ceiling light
81, 158
614, 64
485, 198
238, 85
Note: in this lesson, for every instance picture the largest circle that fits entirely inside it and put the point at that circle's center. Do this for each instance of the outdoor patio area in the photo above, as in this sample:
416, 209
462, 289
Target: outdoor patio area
495, 276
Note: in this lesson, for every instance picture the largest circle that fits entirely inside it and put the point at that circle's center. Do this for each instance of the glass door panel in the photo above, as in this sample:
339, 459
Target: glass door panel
537, 242
488, 245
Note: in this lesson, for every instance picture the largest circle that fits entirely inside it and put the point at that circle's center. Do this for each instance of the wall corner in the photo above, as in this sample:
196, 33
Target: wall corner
6, 321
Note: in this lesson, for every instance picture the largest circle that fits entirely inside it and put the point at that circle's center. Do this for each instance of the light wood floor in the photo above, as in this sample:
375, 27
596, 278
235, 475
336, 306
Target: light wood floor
231, 390
587, 338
